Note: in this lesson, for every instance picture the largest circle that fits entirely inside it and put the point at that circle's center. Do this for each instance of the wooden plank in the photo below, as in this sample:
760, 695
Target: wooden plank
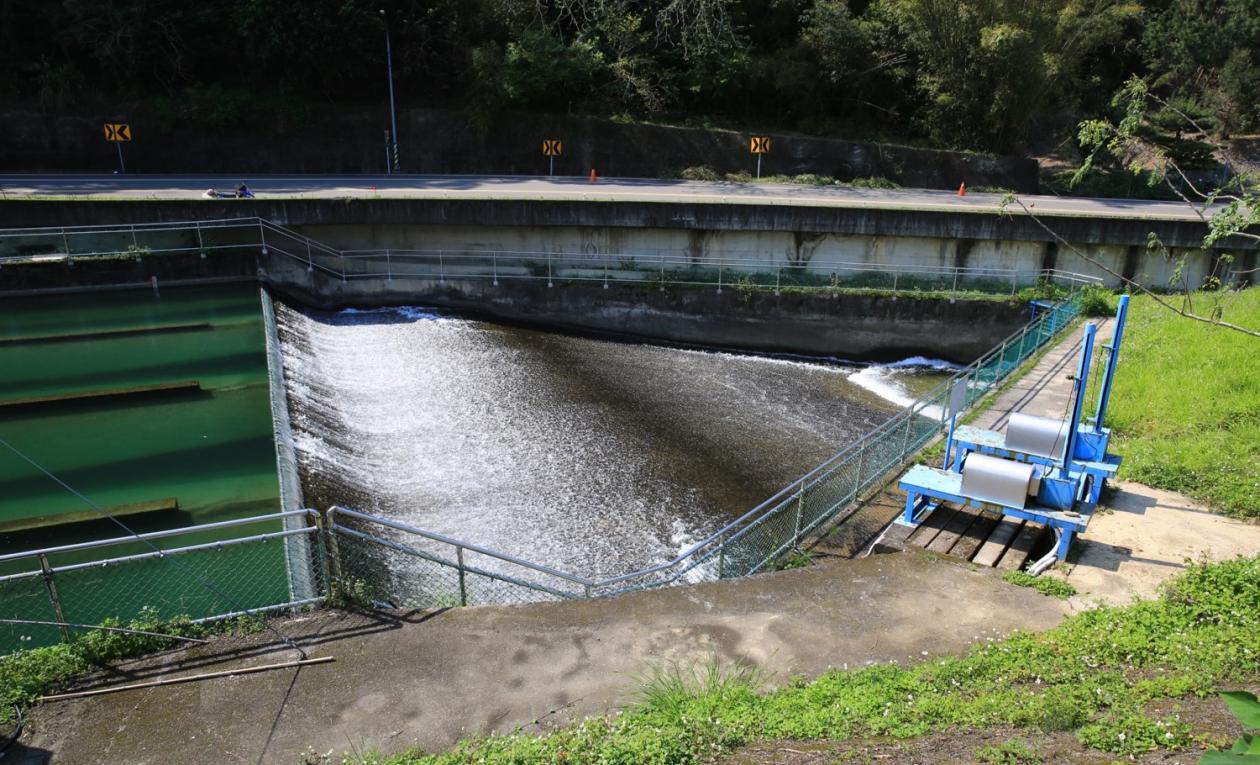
1022, 546
998, 540
104, 333
79, 516
953, 530
102, 393
974, 536
930, 526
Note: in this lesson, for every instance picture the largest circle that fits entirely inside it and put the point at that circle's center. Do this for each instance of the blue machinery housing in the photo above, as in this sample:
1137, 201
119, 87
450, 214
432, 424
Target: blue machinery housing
1040, 470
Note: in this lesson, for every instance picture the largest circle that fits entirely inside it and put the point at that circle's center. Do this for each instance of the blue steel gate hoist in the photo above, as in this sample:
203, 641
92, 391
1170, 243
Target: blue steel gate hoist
1044, 470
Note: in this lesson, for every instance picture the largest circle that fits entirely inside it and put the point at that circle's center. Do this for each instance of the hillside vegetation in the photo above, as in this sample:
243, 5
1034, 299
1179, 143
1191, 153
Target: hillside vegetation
972, 74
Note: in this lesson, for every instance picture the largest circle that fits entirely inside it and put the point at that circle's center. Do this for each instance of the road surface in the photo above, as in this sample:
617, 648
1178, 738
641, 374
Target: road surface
126, 187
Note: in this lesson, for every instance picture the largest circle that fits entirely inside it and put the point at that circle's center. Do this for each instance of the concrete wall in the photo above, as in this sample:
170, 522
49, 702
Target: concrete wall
845, 325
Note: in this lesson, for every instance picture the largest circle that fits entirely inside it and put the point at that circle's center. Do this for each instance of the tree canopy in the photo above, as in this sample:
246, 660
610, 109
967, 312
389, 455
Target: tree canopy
975, 74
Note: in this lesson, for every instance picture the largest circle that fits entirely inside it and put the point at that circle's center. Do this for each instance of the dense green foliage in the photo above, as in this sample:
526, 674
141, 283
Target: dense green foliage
1186, 402
979, 74
1095, 675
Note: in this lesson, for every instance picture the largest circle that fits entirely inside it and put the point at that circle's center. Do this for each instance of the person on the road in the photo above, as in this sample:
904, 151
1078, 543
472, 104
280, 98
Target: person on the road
243, 192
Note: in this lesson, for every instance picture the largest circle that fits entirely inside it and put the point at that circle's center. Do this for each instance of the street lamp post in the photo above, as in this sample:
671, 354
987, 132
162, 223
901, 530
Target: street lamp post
389, 63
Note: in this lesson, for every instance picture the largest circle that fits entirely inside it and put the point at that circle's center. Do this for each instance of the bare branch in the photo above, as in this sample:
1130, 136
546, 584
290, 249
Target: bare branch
1141, 288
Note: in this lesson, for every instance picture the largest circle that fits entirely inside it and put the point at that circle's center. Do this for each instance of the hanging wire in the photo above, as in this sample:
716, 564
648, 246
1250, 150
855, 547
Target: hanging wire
172, 559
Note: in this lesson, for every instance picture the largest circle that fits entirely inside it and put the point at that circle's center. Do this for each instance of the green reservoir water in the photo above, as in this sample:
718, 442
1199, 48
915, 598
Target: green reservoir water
209, 448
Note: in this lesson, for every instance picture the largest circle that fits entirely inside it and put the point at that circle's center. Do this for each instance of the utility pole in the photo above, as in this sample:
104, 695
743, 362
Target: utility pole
389, 64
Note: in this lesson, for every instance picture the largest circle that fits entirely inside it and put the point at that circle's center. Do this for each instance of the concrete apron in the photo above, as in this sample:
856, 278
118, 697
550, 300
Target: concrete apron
432, 679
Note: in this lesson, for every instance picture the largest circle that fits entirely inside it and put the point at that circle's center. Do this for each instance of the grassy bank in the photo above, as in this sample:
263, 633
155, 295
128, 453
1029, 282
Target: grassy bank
1186, 404
1097, 675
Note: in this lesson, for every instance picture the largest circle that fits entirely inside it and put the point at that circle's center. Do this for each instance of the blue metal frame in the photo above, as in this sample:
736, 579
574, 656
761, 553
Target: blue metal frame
927, 487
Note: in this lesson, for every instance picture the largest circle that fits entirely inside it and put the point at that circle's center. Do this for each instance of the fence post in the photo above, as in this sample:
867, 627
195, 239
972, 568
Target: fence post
441, 268
389, 268
905, 442
895, 275
47, 573
310, 265
134, 242
262, 236
201, 245
65, 241
857, 478
719, 276
463, 590
606, 257
955, 289
549, 282
494, 264
776, 279
1013, 275
721, 555
800, 508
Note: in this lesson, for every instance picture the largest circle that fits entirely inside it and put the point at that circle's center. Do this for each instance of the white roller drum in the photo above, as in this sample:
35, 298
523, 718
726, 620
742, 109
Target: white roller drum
1038, 436
993, 479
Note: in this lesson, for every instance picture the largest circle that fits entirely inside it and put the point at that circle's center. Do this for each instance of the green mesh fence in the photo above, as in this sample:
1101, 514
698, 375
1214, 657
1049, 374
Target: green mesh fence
202, 581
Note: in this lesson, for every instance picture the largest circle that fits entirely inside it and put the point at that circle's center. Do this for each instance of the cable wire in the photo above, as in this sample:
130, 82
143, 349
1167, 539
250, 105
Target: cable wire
130, 532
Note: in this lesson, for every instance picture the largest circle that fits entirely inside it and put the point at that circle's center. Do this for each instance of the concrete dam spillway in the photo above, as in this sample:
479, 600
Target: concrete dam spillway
588, 455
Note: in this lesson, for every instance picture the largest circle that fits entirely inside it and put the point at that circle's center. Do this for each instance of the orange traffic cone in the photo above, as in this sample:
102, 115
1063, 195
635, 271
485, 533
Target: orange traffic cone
962, 189
594, 177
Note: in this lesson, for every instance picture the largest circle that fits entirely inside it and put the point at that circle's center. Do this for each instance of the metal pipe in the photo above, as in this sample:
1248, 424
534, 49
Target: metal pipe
389, 63
1078, 397
1113, 358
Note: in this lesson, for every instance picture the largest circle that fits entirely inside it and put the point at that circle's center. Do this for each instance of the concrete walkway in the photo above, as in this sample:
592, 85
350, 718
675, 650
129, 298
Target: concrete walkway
1141, 536
431, 679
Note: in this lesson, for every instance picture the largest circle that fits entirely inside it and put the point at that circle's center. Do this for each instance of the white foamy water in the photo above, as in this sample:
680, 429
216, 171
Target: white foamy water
594, 457
890, 381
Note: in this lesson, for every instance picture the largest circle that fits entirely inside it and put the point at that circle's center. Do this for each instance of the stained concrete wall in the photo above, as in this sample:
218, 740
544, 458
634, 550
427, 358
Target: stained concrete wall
845, 325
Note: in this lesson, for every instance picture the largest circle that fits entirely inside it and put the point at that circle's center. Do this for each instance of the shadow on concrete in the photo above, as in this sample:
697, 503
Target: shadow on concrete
1105, 557
324, 627
1123, 501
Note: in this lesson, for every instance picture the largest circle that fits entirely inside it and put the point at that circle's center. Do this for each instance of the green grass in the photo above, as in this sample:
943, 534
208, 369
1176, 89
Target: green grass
1055, 588
1186, 403
1095, 675
26, 675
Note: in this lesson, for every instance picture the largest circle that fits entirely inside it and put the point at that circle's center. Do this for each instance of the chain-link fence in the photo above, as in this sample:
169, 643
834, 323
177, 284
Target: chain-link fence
190, 573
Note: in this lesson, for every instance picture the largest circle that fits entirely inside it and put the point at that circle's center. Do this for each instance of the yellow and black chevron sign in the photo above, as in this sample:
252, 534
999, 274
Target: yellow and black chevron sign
552, 147
760, 144
117, 131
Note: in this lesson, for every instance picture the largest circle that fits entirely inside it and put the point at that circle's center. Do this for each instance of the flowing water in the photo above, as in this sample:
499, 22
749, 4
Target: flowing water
592, 456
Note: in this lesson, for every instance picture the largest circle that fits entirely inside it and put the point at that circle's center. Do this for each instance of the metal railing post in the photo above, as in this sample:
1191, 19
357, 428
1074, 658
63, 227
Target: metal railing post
310, 265
463, 587
719, 276
201, 245
494, 264
895, 275
955, 287
135, 243
389, 268
776, 279
441, 268
721, 556
800, 509
51, 585
549, 281
262, 236
65, 241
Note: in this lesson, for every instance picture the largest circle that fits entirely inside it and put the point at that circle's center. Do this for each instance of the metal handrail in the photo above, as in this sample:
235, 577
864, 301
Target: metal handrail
507, 557
155, 535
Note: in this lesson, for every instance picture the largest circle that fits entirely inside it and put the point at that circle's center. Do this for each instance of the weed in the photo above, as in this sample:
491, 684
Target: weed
1055, 588
1010, 753
1097, 302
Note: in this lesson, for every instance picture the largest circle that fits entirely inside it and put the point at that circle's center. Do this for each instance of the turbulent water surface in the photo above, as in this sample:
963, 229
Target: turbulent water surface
594, 456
